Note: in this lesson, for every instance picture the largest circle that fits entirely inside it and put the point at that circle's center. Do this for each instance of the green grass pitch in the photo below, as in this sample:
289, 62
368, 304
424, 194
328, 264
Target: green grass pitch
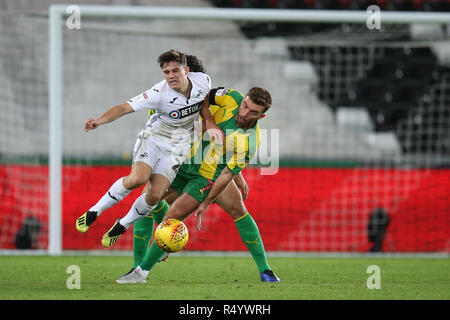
225, 278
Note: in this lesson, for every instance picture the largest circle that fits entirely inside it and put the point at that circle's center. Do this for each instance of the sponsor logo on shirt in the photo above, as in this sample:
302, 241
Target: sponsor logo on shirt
175, 114
186, 111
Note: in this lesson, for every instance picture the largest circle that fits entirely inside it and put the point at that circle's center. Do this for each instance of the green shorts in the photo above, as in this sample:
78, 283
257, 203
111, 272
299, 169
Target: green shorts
188, 180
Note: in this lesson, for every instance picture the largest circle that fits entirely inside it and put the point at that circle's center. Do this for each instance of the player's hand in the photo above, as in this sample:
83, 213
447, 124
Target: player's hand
199, 214
242, 185
90, 124
215, 133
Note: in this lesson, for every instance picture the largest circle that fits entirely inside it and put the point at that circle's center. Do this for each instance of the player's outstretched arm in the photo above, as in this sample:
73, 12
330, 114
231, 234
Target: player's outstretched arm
212, 128
218, 187
112, 114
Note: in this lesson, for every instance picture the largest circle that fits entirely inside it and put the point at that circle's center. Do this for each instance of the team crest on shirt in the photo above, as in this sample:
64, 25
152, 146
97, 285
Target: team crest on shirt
221, 91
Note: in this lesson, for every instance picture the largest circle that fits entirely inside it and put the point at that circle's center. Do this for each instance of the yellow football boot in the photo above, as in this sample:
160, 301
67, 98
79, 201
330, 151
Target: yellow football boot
110, 237
85, 221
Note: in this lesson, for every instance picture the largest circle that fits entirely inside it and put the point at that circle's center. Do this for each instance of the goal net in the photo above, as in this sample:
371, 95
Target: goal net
356, 145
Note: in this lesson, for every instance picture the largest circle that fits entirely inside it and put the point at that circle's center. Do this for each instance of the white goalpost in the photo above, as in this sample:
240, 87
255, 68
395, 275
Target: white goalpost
56, 91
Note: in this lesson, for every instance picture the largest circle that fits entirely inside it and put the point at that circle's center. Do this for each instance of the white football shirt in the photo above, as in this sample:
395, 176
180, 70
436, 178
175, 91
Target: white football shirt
173, 110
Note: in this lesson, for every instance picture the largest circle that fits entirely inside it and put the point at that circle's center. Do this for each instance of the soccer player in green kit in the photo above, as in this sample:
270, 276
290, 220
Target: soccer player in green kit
200, 183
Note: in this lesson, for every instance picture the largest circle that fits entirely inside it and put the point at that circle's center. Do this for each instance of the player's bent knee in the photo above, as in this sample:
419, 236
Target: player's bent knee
132, 182
236, 212
153, 197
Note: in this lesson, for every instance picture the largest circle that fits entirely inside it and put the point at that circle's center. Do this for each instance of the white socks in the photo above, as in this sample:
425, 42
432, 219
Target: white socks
138, 210
115, 194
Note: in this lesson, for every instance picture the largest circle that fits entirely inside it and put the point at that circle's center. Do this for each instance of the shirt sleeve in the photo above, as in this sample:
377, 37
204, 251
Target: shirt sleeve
208, 82
217, 96
146, 100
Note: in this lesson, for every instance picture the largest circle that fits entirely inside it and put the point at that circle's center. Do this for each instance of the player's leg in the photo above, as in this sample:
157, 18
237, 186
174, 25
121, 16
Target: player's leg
143, 228
193, 190
180, 209
164, 171
139, 175
141, 171
140, 246
231, 201
142, 233
147, 201
156, 152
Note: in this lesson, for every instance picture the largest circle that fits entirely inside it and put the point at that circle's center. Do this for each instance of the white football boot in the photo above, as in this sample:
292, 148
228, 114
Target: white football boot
134, 276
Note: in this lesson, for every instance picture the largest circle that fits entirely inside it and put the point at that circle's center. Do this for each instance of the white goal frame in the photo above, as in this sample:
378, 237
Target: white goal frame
58, 12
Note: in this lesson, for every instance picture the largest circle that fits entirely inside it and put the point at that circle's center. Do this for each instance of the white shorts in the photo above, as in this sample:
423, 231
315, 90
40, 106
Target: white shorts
163, 155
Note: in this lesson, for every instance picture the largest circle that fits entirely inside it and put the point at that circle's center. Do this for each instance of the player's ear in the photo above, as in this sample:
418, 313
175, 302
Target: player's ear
261, 116
187, 69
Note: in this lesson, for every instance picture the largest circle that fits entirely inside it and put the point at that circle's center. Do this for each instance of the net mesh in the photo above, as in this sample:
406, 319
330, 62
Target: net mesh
24, 132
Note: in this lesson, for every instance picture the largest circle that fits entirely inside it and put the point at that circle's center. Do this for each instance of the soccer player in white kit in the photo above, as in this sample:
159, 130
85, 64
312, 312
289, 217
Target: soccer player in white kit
161, 147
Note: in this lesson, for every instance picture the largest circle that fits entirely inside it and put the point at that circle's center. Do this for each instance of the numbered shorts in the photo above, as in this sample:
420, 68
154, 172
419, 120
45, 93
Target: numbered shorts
163, 156
191, 182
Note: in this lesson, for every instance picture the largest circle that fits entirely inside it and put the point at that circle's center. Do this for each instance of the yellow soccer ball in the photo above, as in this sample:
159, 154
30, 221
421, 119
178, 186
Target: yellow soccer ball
171, 235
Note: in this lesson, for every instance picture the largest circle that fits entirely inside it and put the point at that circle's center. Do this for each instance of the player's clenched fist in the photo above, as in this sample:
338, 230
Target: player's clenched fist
91, 124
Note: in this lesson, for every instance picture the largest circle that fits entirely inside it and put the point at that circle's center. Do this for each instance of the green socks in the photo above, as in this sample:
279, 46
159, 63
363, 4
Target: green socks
248, 230
160, 211
154, 254
142, 234
143, 231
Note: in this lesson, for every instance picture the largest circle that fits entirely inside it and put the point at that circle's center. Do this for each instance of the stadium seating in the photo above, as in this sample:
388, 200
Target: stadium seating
254, 30
394, 90
398, 86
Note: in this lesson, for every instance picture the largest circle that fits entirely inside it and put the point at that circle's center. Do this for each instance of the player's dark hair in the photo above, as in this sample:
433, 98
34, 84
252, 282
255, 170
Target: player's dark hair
260, 96
194, 64
172, 55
